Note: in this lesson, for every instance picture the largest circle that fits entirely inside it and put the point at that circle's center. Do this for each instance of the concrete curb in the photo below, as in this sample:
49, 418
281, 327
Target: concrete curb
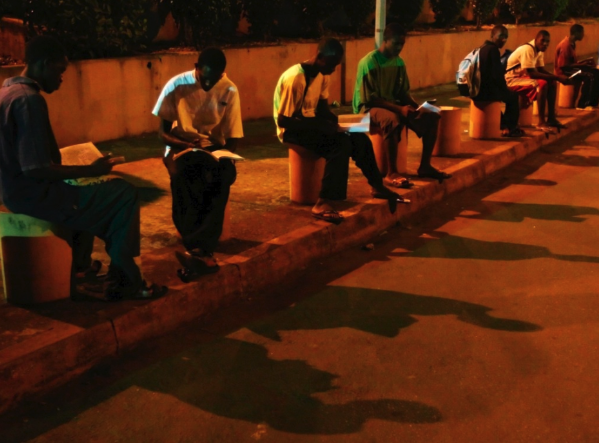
39, 364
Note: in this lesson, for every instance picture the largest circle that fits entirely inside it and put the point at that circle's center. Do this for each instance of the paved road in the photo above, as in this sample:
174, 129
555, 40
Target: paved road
475, 322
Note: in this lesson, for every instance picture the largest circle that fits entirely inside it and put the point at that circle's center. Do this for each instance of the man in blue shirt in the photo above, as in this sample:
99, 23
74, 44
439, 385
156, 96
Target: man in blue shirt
32, 178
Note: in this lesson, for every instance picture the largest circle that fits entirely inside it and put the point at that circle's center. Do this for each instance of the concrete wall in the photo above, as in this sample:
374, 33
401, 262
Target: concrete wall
107, 99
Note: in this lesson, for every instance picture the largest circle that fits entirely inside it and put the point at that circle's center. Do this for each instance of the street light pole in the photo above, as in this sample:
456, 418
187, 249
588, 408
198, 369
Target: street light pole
380, 23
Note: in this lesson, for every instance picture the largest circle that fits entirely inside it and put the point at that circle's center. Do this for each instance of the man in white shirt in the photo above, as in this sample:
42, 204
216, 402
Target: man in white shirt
199, 112
303, 117
526, 75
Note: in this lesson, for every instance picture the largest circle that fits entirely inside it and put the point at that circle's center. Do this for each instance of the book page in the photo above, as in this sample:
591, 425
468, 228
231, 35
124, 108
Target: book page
575, 74
225, 153
80, 155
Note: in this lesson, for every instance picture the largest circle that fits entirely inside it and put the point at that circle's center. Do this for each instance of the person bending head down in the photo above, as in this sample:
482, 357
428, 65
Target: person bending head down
210, 67
46, 61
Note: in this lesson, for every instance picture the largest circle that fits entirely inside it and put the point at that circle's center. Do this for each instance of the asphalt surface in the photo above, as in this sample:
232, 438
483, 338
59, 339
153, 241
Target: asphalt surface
475, 321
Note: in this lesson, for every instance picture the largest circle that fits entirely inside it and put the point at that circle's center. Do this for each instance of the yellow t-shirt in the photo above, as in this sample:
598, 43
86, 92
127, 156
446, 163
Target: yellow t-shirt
289, 95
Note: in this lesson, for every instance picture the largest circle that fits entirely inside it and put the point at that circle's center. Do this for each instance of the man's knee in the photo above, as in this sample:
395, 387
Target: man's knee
228, 172
385, 123
125, 190
545, 85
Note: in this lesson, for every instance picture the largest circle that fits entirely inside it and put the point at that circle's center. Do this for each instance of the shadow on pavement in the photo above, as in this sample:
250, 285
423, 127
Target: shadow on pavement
225, 377
457, 247
378, 312
148, 191
236, 379
517, 212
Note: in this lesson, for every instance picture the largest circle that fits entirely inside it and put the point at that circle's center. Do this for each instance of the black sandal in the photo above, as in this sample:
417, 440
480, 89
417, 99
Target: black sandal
435, 174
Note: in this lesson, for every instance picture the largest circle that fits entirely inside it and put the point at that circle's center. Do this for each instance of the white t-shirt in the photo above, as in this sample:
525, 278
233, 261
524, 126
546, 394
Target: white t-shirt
213, 115
289, 94
528, 57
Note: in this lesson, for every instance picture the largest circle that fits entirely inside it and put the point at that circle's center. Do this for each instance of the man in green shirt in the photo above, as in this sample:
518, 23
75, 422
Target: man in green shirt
302, 115
383, 89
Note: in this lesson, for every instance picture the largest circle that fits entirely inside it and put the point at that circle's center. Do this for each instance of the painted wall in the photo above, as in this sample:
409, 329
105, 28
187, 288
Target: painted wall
432, 59
112, 98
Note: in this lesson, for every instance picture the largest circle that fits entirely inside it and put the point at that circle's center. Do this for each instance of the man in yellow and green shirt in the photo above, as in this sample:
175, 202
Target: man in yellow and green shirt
383, 89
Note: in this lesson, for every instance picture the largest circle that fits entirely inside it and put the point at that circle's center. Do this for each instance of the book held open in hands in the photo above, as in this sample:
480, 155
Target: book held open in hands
82, 155
221, 153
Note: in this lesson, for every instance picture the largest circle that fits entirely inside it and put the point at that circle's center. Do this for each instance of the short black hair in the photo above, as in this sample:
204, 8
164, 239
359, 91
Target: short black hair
498, 29
576, 29
214, 58
394, 30
330, 47
544, 33
44, 47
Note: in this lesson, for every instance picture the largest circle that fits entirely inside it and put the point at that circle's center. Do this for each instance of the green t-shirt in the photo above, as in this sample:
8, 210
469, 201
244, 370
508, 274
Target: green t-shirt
380, 77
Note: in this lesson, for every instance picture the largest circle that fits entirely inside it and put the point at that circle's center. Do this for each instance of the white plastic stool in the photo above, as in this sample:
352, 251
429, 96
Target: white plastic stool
381, 157
485, 119
449, 135
306, 170
36, 259
566, 96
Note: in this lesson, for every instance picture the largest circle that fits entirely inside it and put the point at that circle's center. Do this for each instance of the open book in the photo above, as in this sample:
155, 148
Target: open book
221, 153
354, 123
82, 155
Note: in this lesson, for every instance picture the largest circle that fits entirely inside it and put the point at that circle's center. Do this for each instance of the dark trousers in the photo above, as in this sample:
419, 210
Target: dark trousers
510, 117
200, 187
589, 89
109, 211
83, 245
337, 149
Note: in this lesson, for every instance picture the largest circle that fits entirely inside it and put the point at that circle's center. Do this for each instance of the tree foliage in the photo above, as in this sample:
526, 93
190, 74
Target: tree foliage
482, 10
200, 21
90, 28
518, 8
315, 12
404, 12
548, 10
447, 11
358, 14
583, 8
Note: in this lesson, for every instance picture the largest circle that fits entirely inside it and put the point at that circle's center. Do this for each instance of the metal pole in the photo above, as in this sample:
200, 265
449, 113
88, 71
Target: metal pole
380, 23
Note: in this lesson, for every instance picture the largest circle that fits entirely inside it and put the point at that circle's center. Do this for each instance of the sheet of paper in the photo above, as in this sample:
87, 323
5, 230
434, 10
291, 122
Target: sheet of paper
429, 107
354, 122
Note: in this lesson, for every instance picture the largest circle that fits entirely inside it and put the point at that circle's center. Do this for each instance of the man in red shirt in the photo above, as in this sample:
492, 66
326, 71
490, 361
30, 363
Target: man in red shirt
566, 63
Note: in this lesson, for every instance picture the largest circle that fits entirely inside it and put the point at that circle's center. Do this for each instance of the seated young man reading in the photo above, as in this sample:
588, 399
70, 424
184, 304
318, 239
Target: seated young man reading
383, 89
303, 117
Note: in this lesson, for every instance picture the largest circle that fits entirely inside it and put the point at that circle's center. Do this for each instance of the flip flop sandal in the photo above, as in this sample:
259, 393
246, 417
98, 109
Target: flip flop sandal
149, 292
435, 174
547, 130
556, 124
403, 183
517, 132
392, 199
329, 216
90, 273
193, 267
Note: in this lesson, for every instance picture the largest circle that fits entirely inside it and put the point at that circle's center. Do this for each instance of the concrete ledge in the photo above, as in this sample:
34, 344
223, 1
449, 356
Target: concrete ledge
57, 349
